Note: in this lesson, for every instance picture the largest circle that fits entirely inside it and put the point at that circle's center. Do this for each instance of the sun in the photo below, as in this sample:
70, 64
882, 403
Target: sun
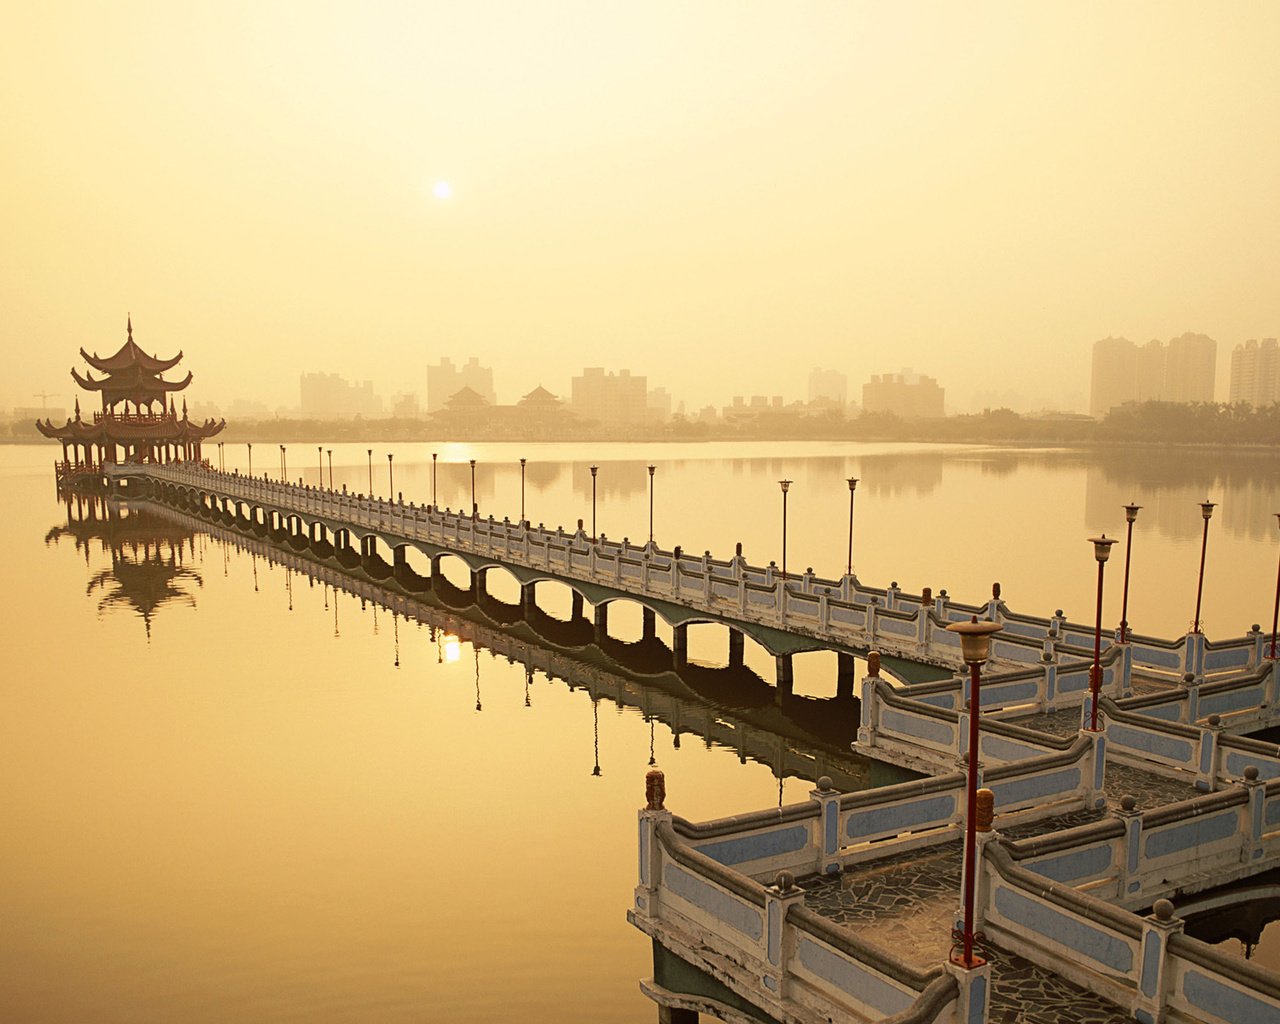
442, 190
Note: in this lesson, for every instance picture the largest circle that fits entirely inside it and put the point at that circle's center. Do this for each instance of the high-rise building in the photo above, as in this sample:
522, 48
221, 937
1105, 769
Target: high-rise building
444, 380
906, 394
1115, 374
329, 396
1190, 368
611, 399
1255, 373
828, 386
1182, 371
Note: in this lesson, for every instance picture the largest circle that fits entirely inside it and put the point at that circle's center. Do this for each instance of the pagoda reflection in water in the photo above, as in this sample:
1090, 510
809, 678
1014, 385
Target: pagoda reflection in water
150, 556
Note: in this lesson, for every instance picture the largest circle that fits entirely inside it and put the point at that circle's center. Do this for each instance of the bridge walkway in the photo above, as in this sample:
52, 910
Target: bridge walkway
907, 902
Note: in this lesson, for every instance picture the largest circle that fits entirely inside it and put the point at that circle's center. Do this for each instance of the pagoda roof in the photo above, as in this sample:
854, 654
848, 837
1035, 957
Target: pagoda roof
539, 396
130, 355
108, 427
131, 374
466, 398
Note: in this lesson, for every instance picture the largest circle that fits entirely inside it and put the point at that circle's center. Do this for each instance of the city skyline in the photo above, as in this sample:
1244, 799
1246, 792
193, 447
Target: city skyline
570, 188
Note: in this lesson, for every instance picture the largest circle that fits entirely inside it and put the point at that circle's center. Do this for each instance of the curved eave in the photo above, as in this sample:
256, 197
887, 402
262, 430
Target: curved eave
171, 431
129, 356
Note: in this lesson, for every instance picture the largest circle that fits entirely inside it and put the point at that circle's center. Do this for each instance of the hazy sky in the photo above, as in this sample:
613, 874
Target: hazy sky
719, 195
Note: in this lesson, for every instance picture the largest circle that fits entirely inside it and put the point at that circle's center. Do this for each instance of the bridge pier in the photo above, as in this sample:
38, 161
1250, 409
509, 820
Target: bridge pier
576, 607
478, 588
845, 666
527, 599
400, 560
650, 623
677, 1015
680, 646
735, 648
601, 622
785, 675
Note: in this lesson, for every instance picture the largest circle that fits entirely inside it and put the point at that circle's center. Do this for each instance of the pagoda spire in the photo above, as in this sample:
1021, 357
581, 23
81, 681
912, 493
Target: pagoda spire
129, 322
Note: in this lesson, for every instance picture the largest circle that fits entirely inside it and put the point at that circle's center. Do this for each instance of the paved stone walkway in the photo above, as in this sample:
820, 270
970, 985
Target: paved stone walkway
907, 903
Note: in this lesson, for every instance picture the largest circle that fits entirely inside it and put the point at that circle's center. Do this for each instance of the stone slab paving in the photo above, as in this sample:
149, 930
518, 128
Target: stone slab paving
907, 903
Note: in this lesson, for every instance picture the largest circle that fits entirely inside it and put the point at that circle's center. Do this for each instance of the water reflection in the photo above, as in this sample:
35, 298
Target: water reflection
149, 554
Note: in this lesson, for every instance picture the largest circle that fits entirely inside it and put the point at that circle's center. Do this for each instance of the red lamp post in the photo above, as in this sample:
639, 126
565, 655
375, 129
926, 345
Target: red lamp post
1101, 552
1206, 510
1130, 516
975, 648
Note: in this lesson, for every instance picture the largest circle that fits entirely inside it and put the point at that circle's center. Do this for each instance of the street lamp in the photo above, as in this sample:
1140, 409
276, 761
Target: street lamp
320, 459
391, 479
1101, 551
853, 486
522, 465
434, 456
221, 465
786, 486
651, 472
249, 445
329, 451
975, 648
284, 465
1206, 510
1130, 515
370, 450
1275, 615
594, 469
475, 509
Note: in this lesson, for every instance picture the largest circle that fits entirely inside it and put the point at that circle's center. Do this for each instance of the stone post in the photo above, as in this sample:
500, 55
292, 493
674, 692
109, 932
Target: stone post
778, 899
653, 815
1191, 702
869, 710
1131, 849
1251, 848
828, 799
1207, 769
891, 594
1153, 981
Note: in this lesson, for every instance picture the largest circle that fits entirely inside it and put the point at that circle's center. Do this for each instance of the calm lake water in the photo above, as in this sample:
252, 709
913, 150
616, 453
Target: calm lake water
260, 800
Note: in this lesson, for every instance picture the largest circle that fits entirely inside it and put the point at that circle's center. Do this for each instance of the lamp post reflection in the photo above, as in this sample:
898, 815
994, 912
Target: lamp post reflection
975, 648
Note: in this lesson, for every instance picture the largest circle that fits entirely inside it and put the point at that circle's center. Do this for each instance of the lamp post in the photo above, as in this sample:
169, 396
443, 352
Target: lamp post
522, 465
370, 450
391, 479
1130, 515
652, 469
221, 465
594, 470
320, 460
1275, 615
475, 509
1101, 551
284, 465
975, 648
786, 486
434, 456
249, 445
853, 486
1206, 510
329, 451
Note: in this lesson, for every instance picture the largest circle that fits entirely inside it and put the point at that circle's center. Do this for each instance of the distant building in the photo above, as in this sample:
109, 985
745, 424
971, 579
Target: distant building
406, 407
828, 386
1191, 365
659, 405
1114, 378
1182, 371
909, 395
611, 399
1255, 373
24, 413
444, 380
327, 396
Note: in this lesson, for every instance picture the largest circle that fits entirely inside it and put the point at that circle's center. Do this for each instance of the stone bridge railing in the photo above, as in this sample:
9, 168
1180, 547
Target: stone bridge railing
840, 612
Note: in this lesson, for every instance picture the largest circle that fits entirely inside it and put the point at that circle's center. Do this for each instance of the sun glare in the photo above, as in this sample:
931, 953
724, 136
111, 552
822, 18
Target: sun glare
442, 190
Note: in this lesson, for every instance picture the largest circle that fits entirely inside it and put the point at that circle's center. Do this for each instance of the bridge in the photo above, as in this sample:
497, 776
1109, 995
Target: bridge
786, 616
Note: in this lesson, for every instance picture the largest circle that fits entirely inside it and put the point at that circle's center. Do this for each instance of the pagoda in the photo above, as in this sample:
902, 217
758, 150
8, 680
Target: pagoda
138, 421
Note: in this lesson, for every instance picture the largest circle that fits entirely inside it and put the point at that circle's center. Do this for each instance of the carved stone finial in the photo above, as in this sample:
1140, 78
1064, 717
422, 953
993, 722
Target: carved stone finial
785, 881
984, 810
825, 784
655, 790
1164, 910
926, 596
873, 663
995, 591
1128, 802
1251, 772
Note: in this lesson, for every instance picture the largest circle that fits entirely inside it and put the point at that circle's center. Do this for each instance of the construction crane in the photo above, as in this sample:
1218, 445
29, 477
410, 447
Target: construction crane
44, 397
